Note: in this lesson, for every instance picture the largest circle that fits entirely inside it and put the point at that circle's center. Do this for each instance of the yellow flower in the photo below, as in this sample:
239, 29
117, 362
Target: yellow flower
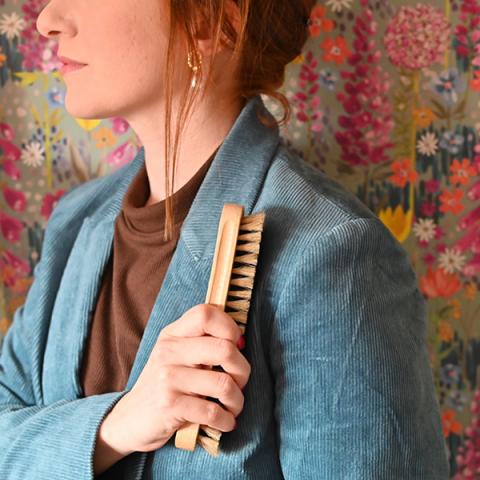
87, 124
398, 222
299, 59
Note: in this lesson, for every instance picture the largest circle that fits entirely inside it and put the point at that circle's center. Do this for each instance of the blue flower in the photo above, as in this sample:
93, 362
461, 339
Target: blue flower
456, 400
328, 78
450, 374
449, 85
55, 97
452, 142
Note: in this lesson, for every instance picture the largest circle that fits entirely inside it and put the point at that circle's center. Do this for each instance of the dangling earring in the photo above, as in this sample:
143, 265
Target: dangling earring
195, 67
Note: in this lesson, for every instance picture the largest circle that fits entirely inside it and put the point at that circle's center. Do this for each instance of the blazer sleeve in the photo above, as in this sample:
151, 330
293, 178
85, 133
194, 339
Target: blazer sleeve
38, 441
354, 390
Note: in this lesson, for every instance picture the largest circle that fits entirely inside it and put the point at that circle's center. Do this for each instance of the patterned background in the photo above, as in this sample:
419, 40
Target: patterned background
386, 100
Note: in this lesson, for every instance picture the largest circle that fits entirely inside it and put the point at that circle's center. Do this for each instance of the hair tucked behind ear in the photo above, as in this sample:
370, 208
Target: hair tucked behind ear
267, 36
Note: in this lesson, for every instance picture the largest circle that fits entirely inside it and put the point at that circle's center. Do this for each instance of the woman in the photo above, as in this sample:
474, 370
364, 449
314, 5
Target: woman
102, 364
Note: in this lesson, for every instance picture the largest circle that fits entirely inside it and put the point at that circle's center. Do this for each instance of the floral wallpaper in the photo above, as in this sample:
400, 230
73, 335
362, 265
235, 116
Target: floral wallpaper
385, 97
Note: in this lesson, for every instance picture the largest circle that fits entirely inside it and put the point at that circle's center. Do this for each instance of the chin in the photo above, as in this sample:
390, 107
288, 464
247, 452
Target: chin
84, 112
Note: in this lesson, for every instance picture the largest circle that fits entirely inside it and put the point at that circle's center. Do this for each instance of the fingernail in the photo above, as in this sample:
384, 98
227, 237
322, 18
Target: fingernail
235, 426
241, 342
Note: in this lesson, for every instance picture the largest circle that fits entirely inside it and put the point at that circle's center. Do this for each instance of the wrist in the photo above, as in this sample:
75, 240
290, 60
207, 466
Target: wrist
113, 432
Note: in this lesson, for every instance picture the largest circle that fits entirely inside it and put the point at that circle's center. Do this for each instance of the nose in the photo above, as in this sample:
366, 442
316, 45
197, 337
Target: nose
49, 19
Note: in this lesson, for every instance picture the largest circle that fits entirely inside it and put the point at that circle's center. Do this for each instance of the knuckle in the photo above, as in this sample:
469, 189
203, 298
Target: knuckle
213, 413
163, 351
226, 349
203, 314
166, 374
225, 384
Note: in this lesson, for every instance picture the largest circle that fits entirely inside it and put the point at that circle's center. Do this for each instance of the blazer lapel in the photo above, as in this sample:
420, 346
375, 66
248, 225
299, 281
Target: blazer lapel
236, 175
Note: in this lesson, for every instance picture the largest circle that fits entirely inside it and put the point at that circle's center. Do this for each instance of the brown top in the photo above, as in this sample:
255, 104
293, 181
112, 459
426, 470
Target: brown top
140, 258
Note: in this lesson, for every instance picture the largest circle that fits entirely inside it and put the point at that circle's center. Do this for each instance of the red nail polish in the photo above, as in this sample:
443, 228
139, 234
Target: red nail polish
241, 342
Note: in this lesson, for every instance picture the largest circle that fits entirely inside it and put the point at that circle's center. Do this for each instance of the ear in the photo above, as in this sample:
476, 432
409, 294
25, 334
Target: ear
204, 42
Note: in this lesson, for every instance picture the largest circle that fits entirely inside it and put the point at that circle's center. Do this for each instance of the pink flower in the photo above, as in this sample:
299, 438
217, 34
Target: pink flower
121, 155
10, 150
307, 98
439, 233
428, 258
427, 208
367, 125
119, 125
11, 169
473, 193
15, 199
49, 202
6, 131
10, 259
432, 186
10, 227
417, 37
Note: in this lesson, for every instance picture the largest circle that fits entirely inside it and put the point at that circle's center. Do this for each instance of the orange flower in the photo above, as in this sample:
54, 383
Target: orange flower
475, 83
335, 50
403, 173
451, 201
438, 283
3, 58
104, 137
319, 22
470, 291
449, 424
457, 308
423, 117
462, 171
445, 331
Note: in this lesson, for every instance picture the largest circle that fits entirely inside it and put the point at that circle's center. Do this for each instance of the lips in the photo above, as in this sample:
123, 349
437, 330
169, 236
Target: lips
70, 61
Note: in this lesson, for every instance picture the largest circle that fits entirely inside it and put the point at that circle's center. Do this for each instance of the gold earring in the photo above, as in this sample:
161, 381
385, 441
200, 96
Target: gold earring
195, 67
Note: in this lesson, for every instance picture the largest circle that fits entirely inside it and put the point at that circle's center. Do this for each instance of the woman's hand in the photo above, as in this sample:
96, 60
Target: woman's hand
166, 394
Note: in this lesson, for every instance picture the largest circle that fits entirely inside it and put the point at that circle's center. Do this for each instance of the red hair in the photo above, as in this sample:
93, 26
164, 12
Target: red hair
265, 35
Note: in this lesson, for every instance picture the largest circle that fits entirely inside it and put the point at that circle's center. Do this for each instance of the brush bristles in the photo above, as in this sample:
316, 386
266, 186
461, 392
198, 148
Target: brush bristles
238, 300
209, 444
211, 432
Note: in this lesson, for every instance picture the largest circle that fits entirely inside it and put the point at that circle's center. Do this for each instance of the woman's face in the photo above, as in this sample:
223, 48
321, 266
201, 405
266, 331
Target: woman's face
123, 43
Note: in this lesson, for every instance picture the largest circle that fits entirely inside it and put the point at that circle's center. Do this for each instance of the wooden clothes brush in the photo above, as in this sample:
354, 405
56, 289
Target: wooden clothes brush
230, 287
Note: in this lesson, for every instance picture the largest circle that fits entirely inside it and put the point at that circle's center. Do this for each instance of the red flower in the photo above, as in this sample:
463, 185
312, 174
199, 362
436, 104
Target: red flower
451, 201
336, 50
449, 424
403, 173
461, 171
319, 22
439, 283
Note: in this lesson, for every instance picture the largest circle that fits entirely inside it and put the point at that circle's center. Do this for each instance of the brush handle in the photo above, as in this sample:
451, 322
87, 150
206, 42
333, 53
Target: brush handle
218, 286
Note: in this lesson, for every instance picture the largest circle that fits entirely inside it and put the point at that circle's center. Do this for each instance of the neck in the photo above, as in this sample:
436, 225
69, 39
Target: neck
209, 125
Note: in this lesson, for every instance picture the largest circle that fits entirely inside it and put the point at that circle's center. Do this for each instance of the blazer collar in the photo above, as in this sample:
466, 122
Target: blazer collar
236, 175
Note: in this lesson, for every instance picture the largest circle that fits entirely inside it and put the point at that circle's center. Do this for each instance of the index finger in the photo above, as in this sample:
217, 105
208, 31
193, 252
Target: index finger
204, 319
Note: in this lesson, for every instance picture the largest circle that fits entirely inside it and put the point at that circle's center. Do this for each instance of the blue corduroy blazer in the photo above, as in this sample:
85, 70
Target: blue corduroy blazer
341, 386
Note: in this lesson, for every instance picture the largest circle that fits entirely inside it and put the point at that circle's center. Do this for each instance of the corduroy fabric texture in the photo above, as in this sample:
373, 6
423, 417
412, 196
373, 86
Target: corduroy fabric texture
341, 386
131, 281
